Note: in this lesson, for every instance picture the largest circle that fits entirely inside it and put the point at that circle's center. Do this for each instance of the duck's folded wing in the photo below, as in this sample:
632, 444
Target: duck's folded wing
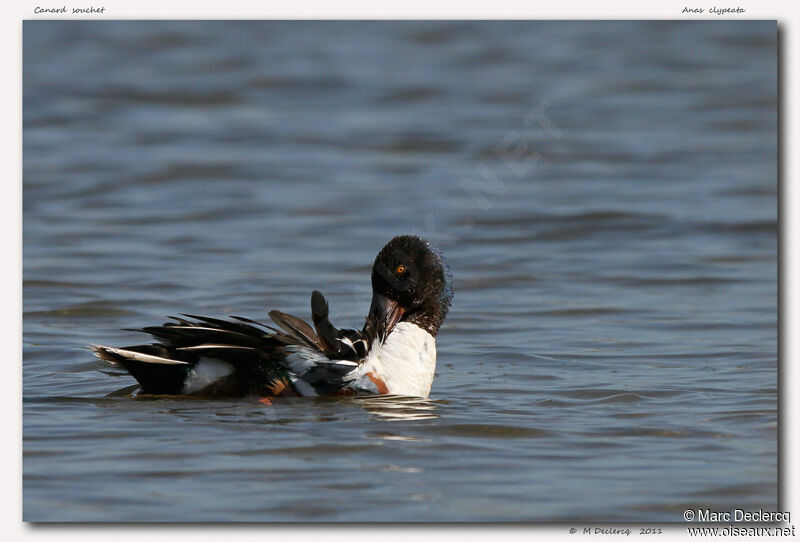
349, 344
314, 367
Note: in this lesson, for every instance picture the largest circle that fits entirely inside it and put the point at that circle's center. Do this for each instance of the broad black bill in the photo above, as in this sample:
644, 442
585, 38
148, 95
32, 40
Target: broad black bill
386, 313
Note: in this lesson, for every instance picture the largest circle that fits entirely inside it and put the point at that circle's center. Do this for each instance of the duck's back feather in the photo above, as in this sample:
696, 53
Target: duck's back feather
212, 357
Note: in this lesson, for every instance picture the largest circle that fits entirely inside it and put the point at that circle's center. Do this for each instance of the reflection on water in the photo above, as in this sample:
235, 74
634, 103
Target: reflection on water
398, 407
605, 193
387, 407
127, 391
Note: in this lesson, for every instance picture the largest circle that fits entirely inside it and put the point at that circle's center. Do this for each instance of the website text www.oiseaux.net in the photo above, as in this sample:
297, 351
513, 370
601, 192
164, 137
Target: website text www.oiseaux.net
735, 530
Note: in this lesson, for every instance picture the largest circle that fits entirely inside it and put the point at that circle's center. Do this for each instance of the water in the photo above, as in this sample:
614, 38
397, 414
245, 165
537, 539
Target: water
605, 194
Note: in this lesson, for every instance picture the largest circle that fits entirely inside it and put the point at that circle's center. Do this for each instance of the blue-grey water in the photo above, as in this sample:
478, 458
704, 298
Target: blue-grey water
605, 192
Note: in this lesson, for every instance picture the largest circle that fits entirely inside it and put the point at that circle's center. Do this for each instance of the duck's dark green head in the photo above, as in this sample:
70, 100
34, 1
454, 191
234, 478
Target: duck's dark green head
411, 282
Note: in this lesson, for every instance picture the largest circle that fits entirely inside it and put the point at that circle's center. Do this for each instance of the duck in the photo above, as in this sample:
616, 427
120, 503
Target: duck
394, 353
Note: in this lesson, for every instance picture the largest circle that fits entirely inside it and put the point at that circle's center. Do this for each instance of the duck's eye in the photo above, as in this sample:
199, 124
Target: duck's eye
400, 269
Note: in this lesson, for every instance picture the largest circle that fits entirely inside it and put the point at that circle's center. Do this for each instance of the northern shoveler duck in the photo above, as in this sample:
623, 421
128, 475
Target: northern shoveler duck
394, 353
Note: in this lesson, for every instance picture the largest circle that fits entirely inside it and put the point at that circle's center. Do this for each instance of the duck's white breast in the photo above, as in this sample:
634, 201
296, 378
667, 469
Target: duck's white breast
405, 362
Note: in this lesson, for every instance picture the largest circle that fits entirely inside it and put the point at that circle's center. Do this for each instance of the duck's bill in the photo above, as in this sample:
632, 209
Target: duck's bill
386, 311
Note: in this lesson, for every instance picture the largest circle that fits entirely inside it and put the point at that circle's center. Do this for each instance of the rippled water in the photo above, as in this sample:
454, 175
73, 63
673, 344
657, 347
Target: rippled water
605, 194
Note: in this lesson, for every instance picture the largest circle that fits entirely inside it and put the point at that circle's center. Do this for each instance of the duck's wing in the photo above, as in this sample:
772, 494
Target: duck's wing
314, 369
349, 344
213, 357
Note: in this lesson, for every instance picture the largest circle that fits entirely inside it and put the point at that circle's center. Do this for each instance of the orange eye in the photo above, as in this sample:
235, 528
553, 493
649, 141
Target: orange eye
400, 269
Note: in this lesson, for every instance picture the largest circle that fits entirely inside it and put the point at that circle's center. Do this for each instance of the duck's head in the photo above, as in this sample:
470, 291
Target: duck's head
411, 282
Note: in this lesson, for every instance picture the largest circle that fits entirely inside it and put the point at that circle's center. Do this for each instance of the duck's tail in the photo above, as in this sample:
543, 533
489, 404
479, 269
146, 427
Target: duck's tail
156, 373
